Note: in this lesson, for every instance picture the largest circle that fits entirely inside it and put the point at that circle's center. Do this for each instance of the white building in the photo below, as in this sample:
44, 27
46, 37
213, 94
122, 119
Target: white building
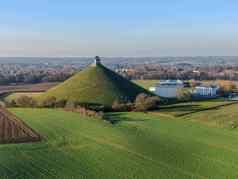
207, 91
167, 88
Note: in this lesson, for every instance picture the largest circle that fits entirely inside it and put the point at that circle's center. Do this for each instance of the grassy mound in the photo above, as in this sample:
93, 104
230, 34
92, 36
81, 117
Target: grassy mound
97, 85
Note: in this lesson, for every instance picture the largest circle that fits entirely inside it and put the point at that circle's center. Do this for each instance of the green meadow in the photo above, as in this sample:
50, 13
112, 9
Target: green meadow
137, 145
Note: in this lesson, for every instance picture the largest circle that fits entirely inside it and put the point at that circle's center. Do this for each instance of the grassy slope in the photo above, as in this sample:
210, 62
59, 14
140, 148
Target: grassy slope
189, 107
96, 84
211, 112
140, 146
221, 117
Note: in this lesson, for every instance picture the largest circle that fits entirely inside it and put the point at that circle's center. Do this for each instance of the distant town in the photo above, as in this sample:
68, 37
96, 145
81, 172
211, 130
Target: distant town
37, 70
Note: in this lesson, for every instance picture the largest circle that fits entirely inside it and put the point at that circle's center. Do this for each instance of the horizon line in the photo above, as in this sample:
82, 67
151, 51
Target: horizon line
179, 56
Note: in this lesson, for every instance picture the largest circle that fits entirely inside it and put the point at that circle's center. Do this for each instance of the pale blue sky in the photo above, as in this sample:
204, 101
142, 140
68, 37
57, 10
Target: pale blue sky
118, 28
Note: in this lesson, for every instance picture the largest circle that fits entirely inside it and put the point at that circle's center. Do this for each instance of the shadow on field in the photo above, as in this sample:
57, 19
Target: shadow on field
115, 118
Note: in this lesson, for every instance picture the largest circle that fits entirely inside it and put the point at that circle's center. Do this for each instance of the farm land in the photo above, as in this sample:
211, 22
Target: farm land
139, 145
184, 140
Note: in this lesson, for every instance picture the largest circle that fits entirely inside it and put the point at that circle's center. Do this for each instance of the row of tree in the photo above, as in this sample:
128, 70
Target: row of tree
158, 72
143, 102
35, 76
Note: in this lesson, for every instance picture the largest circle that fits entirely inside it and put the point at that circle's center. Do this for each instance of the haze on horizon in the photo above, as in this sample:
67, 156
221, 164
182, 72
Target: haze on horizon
123, 28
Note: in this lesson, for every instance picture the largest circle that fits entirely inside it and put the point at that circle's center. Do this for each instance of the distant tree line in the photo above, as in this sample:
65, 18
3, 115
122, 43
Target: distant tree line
31, 78
180, 72
15, 74
12, 74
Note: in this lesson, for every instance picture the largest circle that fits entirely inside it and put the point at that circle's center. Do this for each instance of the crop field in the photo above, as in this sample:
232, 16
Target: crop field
39, 87
14, 96
139, 145
14, 130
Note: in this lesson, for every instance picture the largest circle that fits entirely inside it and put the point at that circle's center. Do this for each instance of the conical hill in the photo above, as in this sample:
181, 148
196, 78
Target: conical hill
96, 85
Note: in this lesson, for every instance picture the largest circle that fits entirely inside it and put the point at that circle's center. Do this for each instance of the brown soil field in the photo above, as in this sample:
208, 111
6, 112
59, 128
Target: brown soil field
39, 87
14, 130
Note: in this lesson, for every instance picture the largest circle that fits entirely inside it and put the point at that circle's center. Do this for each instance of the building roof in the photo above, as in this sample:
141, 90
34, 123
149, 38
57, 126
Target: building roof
208, 86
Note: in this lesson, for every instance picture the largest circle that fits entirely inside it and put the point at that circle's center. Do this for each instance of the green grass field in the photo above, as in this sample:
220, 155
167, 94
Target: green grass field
223, 117
212, 112
138, 146
190, 107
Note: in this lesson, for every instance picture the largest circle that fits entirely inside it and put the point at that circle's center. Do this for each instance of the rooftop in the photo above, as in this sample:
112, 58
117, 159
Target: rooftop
208, 86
